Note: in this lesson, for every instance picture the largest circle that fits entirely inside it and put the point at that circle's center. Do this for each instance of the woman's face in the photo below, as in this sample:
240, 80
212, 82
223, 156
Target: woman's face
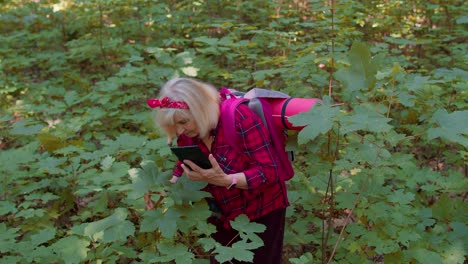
186, 125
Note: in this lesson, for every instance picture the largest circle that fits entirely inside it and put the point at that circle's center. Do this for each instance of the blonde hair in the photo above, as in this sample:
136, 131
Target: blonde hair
202, 99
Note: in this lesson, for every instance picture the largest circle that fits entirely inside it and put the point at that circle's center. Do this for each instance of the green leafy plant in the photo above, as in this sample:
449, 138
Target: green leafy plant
380, 165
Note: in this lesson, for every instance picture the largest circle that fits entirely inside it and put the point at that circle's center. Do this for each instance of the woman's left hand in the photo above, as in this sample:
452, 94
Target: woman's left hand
215, 175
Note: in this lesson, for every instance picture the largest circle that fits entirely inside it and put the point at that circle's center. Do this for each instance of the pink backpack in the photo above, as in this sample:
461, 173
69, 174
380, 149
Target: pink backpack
259, 100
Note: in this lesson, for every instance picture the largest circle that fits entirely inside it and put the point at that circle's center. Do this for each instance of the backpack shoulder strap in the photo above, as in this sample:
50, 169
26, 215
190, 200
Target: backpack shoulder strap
278, 139
228, 111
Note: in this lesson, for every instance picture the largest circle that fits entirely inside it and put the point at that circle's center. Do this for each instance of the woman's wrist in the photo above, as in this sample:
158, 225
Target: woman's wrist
238, 179
233, 182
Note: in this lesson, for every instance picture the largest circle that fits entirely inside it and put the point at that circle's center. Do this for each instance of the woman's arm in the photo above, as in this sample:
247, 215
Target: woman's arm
215, 175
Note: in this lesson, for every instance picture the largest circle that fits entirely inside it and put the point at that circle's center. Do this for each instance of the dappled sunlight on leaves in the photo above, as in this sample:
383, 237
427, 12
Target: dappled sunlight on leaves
380, 165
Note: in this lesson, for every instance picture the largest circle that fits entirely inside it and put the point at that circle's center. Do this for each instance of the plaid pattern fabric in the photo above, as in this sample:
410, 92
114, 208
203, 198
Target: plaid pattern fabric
265, 191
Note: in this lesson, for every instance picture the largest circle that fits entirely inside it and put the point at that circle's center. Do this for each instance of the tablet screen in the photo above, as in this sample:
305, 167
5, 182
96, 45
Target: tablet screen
192, 153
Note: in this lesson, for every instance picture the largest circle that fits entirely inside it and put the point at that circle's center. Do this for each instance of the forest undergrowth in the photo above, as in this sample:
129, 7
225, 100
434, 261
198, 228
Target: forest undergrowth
381, 174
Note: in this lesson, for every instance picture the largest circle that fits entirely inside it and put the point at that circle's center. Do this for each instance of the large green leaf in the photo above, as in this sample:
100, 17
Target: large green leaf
360, 75
366, 119
110, 229
243, 224
423, 255
450, 126
444, 208
304, 259
8, 238
406, 237
187, 191
178, 252
194, 218
26, 127
148, 177
318, 120
456, 251
239, 251
166, 223
7, 207
150, 221
71, 249
399, 196
43, 236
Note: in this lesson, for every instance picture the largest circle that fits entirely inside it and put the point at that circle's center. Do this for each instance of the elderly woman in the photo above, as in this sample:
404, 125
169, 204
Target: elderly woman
240, 183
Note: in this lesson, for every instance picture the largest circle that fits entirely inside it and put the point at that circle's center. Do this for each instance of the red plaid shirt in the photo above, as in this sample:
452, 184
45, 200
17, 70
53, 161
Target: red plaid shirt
265, 191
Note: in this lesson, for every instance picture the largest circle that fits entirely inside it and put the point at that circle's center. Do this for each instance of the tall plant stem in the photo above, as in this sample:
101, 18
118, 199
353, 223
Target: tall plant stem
330, 194
332, 59
101, 42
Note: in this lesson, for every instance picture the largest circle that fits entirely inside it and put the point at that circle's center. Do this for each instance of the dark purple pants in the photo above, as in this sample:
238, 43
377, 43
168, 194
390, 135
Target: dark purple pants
271, 252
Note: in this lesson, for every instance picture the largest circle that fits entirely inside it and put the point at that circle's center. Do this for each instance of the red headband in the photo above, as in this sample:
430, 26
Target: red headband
167, 103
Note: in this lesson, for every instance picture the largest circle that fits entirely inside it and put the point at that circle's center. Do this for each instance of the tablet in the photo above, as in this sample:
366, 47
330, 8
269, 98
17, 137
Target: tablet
192, 153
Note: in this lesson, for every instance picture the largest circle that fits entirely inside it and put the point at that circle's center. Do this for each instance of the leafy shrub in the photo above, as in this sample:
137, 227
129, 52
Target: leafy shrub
380, 167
